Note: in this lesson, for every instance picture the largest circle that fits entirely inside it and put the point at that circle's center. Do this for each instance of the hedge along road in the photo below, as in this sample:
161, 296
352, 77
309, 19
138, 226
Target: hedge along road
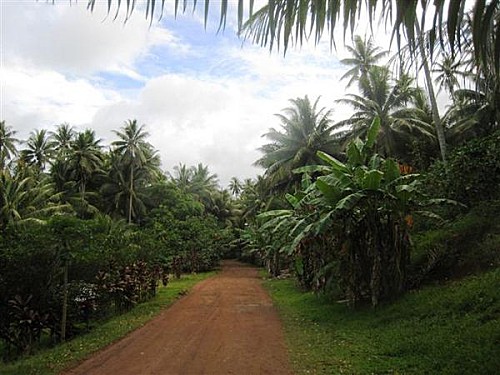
225, 325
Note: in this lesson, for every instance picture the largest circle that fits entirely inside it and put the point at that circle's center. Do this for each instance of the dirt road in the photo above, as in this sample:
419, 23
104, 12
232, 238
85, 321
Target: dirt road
225, 325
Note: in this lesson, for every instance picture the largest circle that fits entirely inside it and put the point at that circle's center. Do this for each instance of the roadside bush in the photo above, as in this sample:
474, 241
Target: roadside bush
58, 276
193, 244
35, 257
472, 173
467, 245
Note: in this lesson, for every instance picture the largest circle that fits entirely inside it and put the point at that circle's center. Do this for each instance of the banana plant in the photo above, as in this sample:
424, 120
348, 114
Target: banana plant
349, 223
365, 206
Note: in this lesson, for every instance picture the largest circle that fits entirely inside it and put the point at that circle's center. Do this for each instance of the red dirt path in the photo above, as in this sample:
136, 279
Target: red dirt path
225, 325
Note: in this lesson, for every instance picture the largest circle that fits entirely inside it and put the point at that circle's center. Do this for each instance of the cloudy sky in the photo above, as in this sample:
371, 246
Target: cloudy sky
204, 96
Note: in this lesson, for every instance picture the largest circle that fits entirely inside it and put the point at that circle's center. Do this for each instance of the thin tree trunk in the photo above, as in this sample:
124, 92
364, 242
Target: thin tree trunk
65, 301
432, 96
130, 193
82, 200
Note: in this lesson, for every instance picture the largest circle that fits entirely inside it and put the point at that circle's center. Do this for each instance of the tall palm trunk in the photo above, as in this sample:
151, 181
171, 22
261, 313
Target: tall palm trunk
82, 193
432, 96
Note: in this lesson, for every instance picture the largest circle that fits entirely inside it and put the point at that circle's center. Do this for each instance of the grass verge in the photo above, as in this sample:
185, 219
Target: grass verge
446, 329
55, 360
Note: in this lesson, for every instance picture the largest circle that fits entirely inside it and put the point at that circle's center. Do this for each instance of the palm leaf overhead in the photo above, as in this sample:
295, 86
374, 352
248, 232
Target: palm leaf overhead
286, 22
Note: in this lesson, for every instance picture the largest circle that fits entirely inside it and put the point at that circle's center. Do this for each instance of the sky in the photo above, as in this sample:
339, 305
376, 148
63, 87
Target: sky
204, 97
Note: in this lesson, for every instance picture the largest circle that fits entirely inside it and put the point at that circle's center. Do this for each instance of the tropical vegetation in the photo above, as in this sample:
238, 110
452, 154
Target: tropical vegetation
88, 233
360, 210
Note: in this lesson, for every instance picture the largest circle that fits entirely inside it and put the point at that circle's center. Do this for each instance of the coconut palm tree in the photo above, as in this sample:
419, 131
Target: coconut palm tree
235, 186
182, 177
203, 182
196, 180
221, 205
7, 144
448, 71
280, 23
116, 190
63, 137
254, 197
39, 149
364, 55
305, 129
472, 114
24, 197
389, 101
85, 160
475, 110
132, 147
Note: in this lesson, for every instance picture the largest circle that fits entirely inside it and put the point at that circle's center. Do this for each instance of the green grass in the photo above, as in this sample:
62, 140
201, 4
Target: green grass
53, 361
446, 329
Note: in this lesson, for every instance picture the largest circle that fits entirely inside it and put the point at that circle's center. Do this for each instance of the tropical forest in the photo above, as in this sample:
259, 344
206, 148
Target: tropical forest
373, 237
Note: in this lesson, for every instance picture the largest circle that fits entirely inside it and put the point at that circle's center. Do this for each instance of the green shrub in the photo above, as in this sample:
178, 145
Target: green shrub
33, 259
466, 245
472, 173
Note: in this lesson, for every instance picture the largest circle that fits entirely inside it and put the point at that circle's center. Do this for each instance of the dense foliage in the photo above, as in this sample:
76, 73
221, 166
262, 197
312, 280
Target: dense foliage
357, 224
472, 172
87, 234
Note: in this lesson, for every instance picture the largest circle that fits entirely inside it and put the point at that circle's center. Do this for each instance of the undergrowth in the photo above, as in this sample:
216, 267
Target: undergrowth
468, 245
53, 361
442, 329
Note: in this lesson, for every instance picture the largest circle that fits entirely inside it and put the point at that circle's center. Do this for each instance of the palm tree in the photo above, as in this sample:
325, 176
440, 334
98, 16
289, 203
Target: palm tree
182, 177
235, 186
196, 180
476, 107
254, 197
424, 58
13, 193
7, 144
133, 150
472, 114
39, 150
283, 22
389, 102
364, 55
305, 130
448, 72
116, 190
63, 137
203, 182
221, 205
23, 197
85, 160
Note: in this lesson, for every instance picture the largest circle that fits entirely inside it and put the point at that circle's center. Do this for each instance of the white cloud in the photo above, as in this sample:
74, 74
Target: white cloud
72, 40
46, 97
